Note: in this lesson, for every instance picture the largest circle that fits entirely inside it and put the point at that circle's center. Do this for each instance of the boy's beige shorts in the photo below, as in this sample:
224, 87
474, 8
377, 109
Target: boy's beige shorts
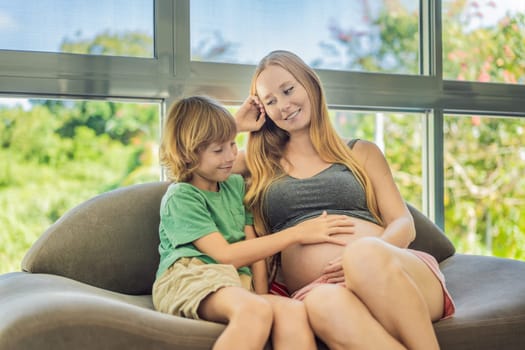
180, 290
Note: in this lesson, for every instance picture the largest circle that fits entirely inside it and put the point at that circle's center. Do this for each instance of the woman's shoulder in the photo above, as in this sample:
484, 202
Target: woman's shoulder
359, 144
350, 142
362, 150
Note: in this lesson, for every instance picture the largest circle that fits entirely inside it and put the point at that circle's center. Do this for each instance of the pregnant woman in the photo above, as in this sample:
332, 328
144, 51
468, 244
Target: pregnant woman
373, 293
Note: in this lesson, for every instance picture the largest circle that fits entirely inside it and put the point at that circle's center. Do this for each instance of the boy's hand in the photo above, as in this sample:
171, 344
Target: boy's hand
321, 229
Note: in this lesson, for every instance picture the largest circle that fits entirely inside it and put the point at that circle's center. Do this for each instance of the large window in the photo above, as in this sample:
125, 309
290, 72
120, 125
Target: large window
55, 154
438, 84
484, 40
371, 36
115, 27
484, 184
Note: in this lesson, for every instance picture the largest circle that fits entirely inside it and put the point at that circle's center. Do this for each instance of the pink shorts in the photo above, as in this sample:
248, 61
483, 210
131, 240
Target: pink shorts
429, 260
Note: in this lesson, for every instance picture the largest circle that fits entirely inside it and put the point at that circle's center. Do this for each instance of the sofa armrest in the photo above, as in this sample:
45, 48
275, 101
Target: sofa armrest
40, 311
110, 241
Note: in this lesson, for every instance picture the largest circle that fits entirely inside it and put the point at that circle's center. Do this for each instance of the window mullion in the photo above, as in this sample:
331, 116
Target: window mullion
433, 166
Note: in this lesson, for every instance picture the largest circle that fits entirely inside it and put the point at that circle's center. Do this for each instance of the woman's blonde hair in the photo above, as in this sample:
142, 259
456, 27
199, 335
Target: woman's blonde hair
193, 124
265, 146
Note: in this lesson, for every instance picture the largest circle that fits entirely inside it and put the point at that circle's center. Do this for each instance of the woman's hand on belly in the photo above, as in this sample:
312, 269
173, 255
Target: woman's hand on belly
333, 272
302, 264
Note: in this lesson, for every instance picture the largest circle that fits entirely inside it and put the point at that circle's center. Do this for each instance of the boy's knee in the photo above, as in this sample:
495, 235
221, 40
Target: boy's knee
291, 328
292, 311
255, 309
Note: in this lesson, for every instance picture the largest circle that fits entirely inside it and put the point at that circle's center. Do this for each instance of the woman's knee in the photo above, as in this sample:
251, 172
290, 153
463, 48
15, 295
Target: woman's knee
369, 259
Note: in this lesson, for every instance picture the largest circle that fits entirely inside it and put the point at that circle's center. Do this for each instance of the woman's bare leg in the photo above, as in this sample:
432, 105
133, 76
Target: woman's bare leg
291, 328
342, 321
400, 291
247, 316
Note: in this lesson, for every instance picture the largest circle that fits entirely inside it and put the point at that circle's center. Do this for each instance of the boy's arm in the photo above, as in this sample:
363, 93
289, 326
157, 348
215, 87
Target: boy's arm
246, 252
260, 277
259, 271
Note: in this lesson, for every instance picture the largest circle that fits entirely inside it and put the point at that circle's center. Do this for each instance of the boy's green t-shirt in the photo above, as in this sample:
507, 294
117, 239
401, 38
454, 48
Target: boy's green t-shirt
188, 213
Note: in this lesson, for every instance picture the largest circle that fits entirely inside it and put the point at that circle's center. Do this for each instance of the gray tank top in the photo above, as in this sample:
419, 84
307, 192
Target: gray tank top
335, 189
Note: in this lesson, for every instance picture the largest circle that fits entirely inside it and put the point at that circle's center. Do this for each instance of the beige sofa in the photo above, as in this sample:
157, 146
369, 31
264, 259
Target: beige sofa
86, 284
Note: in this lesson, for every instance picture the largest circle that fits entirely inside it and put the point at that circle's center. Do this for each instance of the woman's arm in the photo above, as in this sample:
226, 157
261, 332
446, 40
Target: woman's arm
259, 270
244, 253
399, 224
249, 117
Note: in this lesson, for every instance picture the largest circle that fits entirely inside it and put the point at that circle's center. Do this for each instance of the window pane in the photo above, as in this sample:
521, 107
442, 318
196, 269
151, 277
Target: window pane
54, 154
112, 27
484, 184
483, 40
374, 36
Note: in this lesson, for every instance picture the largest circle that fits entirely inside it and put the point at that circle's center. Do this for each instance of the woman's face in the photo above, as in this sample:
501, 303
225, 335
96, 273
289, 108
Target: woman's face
284, 98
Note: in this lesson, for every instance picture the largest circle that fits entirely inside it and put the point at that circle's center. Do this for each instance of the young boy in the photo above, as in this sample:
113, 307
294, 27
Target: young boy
207, 241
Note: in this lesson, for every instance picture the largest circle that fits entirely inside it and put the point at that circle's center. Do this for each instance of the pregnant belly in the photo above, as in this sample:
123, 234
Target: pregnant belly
301, 264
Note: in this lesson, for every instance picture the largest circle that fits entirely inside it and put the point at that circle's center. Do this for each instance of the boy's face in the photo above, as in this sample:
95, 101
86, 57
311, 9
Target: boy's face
215, 165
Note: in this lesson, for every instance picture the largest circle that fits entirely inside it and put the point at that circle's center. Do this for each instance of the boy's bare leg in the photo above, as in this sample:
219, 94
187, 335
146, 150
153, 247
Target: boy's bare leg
247, 316
291, 328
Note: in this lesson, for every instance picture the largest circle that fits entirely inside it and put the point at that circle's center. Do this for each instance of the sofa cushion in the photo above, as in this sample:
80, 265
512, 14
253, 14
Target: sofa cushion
489, 294
429, 237
110, 241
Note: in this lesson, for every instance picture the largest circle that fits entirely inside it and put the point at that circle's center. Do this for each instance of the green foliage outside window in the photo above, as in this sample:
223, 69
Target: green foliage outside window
60, 153
484, 157
485, 187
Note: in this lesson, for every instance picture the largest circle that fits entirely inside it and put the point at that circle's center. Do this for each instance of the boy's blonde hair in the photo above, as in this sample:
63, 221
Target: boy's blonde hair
193, 124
